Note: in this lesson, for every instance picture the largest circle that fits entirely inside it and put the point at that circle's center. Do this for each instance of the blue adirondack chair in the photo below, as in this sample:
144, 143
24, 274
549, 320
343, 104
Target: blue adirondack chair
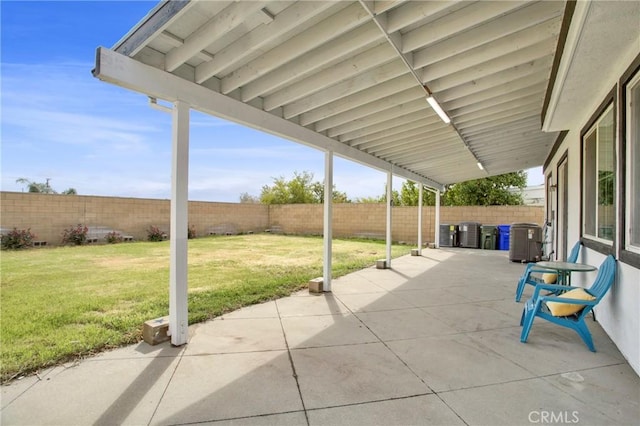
528, 277
537, 305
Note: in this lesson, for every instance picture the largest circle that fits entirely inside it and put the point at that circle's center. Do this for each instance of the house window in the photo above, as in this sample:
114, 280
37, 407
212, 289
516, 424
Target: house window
599, 178
633, 165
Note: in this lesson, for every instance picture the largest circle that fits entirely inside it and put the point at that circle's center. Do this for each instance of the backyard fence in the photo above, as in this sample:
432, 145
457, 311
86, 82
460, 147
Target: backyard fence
48, 215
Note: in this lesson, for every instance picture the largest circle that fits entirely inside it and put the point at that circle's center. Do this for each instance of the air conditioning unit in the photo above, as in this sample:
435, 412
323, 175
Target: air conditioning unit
448, 236
525, 242
469, 234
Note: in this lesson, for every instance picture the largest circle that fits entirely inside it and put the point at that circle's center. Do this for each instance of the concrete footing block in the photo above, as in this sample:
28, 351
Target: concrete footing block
432, 245
156, 331
415, 252
316, 285
381, 264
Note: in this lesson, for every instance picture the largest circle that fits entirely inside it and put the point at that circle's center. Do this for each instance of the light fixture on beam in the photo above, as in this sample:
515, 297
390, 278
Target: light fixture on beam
438, 109
480, 166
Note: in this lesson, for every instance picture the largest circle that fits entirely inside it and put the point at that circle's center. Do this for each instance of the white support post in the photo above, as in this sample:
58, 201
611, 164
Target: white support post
327, 220
420, 195
389, 204
178, 306
437, 221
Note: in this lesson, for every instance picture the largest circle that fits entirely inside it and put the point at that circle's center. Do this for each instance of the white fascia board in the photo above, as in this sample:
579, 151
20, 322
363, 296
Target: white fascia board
123, 71
578, 20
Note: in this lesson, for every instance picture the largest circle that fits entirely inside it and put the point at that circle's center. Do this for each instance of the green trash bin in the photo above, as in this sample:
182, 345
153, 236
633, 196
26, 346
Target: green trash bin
488, 237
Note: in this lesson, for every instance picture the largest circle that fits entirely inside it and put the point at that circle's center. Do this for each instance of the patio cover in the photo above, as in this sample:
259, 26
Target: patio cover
352, 76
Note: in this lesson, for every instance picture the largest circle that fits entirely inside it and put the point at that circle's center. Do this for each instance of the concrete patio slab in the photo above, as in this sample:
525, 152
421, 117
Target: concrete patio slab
363, 355
324, 304
467, 364
285, 419
430, 297
236, 335
341, 375
523, 402
325, 330
557, 350
117, 391
424, 409
613, 390
373, 302
354, 284
470, 317
404, 324
211, 387
262, 310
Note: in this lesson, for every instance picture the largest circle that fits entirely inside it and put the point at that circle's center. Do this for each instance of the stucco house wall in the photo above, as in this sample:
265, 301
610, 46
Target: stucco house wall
618, 312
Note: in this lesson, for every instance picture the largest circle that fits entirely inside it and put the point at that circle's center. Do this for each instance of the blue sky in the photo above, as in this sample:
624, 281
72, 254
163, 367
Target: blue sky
60, 123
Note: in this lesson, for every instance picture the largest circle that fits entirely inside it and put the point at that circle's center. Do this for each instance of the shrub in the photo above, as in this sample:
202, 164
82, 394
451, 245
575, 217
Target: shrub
155, 234
191, 232
17, 239
113, 237
76, 235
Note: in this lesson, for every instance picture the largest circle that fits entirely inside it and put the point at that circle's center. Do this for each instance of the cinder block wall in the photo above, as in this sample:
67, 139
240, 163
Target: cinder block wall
48, 216
369, 220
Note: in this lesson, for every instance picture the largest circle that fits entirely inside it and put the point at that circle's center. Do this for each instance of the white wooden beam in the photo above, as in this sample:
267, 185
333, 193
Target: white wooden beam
283, 23
346, 88
178, 279
386, 116
536, 13
428, 131
345, 20
363, 97
545, 34
382, 104
176, 41
400, 130
129, 73
416, 11
535, 90
327, 221
531, 104
344, 46
486, 88
231, 17
397, 123
526, 61
362, 62
498, 123
152, 25
456, 22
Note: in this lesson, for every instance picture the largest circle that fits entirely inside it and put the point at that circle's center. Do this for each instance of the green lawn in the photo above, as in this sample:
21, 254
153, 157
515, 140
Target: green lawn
63, 303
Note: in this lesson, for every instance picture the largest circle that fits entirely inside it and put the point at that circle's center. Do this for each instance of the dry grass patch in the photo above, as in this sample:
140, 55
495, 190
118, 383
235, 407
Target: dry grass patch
67, 302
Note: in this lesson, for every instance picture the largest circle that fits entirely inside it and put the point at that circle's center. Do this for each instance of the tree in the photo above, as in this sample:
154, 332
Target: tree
36, 187
491, 191
409, 195
247, 198
301, 189
44, 188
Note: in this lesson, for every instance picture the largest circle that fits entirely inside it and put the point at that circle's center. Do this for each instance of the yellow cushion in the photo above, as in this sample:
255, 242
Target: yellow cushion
559, 309
549, 278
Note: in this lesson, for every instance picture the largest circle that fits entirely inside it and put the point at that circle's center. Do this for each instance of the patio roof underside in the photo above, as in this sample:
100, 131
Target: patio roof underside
354, 74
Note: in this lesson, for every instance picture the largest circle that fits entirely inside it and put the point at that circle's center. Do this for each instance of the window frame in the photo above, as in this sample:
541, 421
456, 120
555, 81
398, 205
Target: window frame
600, 245
629, 255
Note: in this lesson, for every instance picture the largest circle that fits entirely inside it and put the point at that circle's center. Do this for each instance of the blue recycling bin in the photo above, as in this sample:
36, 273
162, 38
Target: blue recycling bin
503, 237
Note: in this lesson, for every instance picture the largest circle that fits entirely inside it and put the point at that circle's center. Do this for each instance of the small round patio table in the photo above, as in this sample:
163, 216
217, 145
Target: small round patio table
565, 269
